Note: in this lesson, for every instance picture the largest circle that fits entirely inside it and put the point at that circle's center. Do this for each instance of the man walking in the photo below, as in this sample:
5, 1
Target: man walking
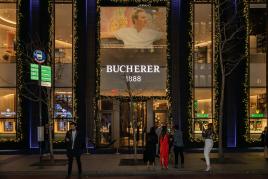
74, 147
178, 146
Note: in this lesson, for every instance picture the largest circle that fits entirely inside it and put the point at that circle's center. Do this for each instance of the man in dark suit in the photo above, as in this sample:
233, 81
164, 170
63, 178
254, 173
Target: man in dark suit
74, 146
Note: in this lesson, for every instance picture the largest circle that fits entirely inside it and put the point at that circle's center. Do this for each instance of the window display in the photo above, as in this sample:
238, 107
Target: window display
257, 125
62, 126
7, 103
63, 105
7, 126
199, 125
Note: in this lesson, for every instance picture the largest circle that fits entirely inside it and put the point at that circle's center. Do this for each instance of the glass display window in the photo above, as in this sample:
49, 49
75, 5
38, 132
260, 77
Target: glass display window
8, 32
63, 105
258, 108
203, 103
61, 126
7, 103
200, 124
257, 125
7, 126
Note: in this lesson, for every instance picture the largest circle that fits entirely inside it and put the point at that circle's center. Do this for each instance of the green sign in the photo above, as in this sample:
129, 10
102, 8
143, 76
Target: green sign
45, 76
259, 115
34, 72
200, 115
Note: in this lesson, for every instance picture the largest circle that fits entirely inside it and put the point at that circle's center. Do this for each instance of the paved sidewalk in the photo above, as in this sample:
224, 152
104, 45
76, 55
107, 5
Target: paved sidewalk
108, 164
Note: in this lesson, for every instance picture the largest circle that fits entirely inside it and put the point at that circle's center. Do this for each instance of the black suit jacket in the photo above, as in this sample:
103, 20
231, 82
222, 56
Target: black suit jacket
78, 143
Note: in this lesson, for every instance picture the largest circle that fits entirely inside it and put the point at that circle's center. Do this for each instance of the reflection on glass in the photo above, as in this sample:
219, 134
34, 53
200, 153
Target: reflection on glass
202, 103
7, 32
63, 104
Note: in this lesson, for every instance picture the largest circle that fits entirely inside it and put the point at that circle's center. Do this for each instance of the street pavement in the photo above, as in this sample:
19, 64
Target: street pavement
218, 176
236, 165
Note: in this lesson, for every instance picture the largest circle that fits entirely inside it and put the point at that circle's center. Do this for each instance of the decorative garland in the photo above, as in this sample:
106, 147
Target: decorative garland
243, 129
190, 46
246, 131
217, 70
20, 68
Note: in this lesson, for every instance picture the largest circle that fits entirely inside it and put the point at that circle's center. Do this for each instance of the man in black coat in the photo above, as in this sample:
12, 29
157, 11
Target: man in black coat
74, 146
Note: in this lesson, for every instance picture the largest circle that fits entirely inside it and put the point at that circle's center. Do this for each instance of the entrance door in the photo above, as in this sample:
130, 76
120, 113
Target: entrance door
128, 123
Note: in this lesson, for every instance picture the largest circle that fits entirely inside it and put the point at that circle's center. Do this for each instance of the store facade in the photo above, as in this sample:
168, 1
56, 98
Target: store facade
114, 81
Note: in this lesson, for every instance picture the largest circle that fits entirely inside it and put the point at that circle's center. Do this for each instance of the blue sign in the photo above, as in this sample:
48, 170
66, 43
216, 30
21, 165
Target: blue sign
39, 56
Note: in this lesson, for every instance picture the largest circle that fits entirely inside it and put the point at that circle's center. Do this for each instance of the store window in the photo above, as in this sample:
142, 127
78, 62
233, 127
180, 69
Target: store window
63, 96
7, 44
203, 63
160, 108
63, 45
258, 66
7, 113
202, 45
258, 111
63, 111
7, 32
7, 71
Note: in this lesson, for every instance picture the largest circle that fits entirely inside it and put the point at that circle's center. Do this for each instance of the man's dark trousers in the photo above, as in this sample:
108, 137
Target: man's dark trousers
178, 150
71, 155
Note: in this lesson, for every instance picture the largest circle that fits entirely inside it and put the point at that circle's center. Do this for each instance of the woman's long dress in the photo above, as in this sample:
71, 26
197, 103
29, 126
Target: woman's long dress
164, 148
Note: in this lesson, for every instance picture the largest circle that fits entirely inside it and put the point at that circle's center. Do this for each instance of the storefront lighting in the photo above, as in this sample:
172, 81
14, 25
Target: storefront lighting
8, 21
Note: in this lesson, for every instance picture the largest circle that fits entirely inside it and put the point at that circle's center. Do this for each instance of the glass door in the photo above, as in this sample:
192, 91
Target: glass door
130, 122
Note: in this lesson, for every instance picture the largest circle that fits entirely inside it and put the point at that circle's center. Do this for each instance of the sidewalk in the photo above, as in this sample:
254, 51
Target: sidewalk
108, 164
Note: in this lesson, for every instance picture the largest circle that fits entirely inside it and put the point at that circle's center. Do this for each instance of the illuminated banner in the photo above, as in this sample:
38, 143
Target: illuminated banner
133, 51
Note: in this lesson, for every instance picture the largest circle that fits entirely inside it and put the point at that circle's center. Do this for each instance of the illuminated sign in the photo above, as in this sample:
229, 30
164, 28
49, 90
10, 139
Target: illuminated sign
200, 115
257, 115
8, 113
34, 71
45, 76
39, 56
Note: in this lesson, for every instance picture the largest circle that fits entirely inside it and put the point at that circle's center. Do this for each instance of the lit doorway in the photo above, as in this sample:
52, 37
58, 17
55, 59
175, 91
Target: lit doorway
127, 124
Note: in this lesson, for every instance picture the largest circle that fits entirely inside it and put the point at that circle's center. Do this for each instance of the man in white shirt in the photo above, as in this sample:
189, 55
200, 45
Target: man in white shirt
138, 36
